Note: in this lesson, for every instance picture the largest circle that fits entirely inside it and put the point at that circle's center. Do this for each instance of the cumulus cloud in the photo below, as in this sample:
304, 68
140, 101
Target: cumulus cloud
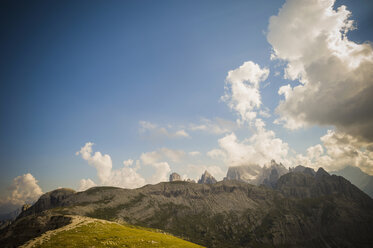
162, 170
335, 74
102, 163
260, 148
242, 89
85, 184
125, 177
155, 131
24, 189
336, 151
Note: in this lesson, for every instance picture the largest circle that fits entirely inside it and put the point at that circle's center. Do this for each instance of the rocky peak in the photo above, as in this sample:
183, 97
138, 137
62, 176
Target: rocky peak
303, 169
270, 175
175, 177
207, 178
244, 173
321, 173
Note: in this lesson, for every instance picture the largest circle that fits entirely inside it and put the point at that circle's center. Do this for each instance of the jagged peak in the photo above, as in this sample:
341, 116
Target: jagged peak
321, 172
207, 178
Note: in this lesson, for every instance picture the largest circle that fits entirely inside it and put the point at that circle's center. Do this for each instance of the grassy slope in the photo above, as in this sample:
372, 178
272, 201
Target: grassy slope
99, 234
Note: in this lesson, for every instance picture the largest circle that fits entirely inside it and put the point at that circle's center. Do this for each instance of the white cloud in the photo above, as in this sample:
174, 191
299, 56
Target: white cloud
85, 184
125, 177
341, 150
155, 131
162, 170
215, 126
260, 148
148, 158
242, 89
216, 154
335, 74
102, 163
128, 162
173, 155
181, 133
24, 189
194, 153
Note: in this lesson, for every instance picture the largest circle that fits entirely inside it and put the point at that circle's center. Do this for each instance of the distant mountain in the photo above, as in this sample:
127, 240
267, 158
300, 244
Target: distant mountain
357, 177
207, 178
8, 218
244, 173
254, 174
302, 210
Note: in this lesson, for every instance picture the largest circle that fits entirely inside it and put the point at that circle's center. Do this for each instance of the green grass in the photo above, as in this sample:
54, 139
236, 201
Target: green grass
99, 234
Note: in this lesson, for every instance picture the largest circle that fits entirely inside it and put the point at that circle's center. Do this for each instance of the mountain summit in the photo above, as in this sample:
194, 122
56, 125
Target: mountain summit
207, 178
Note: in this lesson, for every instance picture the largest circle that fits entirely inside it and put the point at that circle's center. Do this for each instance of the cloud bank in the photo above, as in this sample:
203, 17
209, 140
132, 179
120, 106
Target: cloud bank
24, 189
335, 74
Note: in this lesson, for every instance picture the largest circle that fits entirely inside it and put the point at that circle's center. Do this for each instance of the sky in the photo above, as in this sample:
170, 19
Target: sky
123, 93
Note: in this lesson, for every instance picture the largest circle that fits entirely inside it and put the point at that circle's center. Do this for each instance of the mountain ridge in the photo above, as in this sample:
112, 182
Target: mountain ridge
300, 210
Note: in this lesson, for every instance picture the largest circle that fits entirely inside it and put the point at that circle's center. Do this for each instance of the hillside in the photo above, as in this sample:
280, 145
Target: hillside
79, 231
302, 210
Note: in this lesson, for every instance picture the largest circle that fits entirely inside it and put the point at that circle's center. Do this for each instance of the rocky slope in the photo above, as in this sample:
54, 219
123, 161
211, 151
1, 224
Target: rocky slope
357, 177
301, 211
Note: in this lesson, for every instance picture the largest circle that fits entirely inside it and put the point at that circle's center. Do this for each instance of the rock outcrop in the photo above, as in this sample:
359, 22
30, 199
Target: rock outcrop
271, 173
175, 177
49, 200
207, 178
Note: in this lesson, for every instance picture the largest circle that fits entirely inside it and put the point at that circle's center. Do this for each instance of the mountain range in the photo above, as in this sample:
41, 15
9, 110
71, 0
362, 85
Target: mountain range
300, 208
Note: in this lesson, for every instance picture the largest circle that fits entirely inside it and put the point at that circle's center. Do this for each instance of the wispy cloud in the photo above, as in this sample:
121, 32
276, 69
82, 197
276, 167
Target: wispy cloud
155, 131
215, 126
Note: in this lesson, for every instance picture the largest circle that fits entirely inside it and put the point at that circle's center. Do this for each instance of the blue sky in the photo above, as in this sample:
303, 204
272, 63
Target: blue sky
74, 72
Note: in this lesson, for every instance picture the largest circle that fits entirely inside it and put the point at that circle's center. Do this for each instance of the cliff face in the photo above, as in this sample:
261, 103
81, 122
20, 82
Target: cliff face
301, 211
